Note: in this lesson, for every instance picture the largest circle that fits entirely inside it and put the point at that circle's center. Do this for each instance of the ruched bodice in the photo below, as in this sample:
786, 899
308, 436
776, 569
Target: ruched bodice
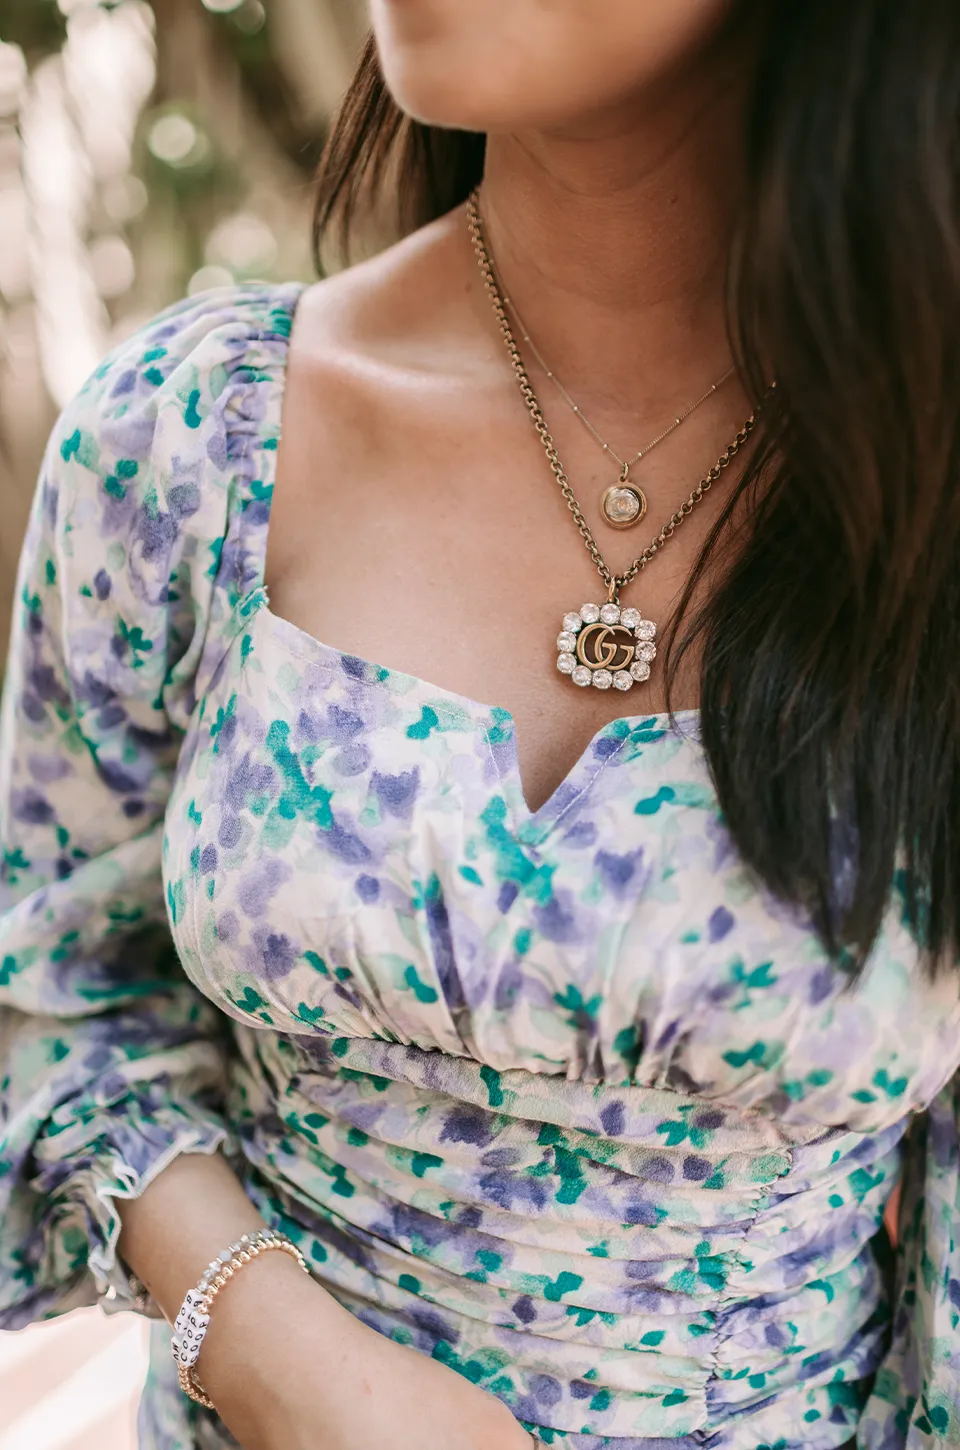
701, 1273
564, 1097
349, 853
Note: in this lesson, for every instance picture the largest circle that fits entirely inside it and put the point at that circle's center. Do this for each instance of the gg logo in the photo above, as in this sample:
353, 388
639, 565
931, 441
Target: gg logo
605, 646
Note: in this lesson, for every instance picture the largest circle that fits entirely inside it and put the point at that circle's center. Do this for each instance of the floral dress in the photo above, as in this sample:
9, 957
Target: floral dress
563, 1097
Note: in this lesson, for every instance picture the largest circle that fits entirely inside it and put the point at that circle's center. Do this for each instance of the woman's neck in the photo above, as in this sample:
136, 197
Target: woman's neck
612, 238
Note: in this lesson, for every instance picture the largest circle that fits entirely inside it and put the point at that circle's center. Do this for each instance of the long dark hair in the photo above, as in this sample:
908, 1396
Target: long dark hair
830, 698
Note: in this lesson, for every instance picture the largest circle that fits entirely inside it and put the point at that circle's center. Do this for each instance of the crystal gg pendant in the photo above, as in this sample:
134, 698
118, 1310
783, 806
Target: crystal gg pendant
603, 645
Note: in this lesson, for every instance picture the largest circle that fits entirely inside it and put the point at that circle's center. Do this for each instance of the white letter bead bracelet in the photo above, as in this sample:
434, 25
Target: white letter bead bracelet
191, 1323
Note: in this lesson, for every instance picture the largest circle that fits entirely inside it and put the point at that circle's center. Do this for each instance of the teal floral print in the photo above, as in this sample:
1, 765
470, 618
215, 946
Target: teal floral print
561, 1097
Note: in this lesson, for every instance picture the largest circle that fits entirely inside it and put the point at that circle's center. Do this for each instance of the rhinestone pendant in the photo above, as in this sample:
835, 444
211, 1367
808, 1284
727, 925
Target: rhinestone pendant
622, 505
605, 646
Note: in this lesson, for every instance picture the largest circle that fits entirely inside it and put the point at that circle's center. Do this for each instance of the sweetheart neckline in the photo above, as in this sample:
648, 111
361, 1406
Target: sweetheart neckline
567, 789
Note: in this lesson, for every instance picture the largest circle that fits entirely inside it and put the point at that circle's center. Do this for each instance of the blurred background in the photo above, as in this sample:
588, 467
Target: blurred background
148, 149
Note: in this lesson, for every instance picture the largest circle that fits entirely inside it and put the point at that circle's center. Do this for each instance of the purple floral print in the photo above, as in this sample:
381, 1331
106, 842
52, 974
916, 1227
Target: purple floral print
562, 1097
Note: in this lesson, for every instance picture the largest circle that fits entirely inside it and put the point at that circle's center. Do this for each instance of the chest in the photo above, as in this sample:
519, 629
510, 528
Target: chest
348, 852
437, 542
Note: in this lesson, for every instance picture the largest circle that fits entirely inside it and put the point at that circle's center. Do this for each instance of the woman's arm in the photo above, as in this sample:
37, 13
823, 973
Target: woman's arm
891, 1216
287, 1367
113, 1063
914, 1402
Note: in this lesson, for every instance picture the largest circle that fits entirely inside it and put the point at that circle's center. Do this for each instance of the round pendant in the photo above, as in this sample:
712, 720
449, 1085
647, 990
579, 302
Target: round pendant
605, 646
623, 504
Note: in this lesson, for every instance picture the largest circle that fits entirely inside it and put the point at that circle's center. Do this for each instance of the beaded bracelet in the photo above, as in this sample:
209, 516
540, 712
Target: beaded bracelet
191, 1322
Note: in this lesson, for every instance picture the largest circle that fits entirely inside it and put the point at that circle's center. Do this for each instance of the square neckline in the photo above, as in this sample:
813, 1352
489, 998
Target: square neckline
569, 787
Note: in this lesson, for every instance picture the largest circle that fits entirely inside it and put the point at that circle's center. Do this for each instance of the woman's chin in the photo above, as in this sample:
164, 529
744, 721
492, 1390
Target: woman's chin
441, 85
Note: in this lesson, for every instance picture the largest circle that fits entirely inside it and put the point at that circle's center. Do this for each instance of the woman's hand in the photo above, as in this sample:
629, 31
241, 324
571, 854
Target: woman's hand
289, 1369
286, 1366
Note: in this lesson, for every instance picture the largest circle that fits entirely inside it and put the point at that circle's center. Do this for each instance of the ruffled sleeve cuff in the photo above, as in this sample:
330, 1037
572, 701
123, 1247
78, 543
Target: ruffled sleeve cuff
95, 1191
67, 1157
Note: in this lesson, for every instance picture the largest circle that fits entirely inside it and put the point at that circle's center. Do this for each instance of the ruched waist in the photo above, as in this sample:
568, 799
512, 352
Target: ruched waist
622, 1265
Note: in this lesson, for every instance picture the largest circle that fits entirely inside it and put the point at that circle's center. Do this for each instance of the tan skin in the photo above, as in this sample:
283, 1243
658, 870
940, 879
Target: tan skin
415, 523
399, 382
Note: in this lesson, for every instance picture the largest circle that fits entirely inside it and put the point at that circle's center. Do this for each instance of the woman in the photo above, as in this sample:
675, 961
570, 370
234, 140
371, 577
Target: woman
572, 1041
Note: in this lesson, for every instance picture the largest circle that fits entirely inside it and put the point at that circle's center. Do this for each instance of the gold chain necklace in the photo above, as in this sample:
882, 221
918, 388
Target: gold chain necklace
624, 503
599, 644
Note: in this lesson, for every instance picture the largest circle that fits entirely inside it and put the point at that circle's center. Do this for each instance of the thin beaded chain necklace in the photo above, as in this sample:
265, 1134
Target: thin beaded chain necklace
599, 644
623, 503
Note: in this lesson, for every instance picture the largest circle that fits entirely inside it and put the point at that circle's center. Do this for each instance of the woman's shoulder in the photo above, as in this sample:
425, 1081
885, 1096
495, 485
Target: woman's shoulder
154, 494
173, 424
181, 363
402, 310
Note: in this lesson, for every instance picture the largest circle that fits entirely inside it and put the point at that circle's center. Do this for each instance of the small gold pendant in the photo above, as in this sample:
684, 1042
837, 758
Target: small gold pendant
603, 645
622, 505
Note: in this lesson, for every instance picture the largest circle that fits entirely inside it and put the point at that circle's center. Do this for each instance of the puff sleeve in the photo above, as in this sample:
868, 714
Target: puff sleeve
112, 1063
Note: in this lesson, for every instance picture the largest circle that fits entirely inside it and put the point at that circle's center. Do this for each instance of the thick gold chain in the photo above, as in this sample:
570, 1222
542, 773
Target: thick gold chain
614, 582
